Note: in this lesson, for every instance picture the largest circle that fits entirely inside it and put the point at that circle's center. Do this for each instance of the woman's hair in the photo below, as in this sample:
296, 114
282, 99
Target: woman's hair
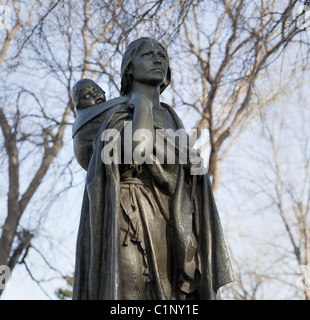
126, 73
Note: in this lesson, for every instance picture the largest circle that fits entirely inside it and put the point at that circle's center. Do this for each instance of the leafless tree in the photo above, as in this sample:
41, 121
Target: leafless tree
288, 192
270, 233
239, 56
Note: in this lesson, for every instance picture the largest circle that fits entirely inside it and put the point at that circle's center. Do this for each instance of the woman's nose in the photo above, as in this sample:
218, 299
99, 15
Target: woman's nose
157, 59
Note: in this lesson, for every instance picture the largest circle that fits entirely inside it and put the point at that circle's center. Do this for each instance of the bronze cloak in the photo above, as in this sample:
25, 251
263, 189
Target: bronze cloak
97, 256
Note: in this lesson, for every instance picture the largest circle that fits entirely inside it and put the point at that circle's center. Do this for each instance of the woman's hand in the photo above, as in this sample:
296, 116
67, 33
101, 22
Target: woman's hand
142, 126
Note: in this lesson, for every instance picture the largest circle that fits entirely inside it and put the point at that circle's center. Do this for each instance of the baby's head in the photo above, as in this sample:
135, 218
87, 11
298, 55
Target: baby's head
86, 93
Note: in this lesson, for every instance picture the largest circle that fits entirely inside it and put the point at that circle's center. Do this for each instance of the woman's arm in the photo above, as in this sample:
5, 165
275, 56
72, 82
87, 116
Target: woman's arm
142, 125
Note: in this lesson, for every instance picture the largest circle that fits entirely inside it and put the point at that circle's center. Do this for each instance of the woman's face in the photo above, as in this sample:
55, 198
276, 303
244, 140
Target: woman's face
150, 65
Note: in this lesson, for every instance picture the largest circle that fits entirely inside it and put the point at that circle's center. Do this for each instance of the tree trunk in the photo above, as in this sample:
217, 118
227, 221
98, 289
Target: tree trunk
214, 168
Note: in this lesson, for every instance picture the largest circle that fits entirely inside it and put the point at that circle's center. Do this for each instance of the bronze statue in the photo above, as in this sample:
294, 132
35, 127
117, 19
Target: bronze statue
148, 230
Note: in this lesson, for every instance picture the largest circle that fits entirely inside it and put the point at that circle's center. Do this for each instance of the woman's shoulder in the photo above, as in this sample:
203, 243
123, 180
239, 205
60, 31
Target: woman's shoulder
84, 116
173, 114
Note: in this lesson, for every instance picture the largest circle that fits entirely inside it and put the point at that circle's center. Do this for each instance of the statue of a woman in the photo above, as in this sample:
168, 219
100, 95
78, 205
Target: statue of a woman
148, 230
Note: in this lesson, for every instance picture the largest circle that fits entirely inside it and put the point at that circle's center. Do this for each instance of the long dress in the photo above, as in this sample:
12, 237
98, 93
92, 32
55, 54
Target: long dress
147, 231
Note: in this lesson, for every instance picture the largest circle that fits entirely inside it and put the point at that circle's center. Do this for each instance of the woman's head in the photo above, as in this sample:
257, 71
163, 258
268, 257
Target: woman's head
131, 55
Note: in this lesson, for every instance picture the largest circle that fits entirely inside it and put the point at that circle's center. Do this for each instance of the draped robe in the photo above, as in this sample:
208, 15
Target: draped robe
200, 263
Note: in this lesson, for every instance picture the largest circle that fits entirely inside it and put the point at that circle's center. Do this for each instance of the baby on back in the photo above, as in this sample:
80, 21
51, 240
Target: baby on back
86, 93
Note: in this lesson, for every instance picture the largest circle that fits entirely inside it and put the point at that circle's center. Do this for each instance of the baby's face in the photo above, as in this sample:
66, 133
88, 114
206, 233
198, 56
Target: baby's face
90, 95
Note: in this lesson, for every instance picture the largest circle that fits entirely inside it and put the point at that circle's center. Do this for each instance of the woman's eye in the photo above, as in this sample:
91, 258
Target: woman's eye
147, 53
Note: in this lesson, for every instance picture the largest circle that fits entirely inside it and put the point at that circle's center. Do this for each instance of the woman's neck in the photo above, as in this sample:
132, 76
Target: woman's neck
151, 92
